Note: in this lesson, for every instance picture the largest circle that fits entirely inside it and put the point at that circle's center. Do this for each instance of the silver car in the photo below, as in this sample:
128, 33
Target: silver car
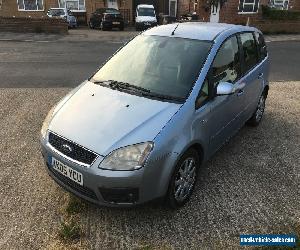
64, 14
142, 125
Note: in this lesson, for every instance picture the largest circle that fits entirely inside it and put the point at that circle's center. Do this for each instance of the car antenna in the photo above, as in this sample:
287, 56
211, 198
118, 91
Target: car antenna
172, 34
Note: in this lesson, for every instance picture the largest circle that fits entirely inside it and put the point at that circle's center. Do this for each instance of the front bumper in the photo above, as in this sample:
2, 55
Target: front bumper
106, 187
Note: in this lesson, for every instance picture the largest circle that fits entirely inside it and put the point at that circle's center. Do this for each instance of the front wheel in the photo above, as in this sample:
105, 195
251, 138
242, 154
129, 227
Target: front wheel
258, 114
183, 180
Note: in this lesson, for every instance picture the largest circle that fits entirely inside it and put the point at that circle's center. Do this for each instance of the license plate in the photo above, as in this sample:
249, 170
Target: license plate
67, 171
116, 23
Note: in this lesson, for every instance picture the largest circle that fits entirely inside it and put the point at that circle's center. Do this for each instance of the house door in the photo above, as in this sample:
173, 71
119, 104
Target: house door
112, 4
172, 7
215, 13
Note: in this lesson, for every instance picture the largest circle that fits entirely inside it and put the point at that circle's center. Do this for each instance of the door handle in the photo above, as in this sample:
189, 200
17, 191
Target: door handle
260, 75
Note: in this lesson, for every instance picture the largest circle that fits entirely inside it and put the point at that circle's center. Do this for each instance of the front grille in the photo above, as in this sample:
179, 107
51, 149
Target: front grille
71, 149
73, 185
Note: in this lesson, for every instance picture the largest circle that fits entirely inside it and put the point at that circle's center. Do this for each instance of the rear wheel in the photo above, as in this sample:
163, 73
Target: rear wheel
258, 114
183, 180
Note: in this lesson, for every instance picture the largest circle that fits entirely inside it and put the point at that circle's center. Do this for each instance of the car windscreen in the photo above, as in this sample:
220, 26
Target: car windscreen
163, 65
56, 12
146, 12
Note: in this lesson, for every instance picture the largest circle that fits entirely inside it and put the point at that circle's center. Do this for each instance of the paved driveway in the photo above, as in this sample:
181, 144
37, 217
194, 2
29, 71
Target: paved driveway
250, 186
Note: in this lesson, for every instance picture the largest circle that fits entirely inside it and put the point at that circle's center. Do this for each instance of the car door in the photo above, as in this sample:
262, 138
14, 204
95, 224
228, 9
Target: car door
225, 110
253, 73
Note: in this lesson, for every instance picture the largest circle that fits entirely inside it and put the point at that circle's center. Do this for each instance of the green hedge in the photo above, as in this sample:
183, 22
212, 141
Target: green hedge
274, 14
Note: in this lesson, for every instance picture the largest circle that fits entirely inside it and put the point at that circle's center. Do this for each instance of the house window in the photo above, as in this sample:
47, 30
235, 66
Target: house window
74, 5
248, 6
279, 4
30, 5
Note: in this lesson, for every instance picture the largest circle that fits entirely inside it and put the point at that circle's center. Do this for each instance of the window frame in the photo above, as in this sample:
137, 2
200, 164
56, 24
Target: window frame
43, 2
251, 12
72, 10
243, 63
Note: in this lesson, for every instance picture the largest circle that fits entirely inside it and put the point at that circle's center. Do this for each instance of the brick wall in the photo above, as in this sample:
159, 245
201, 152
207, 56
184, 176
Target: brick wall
273, 26
294, 5
25, 24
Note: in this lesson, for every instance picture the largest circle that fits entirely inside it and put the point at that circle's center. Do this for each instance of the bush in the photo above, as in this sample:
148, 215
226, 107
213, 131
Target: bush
274, 14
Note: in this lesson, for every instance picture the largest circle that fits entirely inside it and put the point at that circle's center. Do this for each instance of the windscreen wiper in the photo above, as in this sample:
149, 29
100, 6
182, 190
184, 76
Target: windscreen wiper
125, 85
121, 85
144, 92
164, 97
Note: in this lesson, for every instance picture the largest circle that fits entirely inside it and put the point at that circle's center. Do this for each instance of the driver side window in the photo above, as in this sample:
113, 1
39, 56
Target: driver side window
226, 66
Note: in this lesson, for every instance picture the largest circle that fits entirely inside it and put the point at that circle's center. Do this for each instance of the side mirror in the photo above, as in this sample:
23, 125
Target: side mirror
225, 88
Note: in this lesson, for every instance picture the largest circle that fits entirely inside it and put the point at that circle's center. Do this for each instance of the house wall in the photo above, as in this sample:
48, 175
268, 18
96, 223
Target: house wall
10, 8
294, 5
229, 11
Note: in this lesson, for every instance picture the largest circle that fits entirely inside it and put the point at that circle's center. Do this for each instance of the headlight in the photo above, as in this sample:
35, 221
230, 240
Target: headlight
128, 158
46, 122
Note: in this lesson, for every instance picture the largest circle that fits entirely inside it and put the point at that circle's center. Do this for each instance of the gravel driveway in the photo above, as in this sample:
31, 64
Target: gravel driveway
250, 186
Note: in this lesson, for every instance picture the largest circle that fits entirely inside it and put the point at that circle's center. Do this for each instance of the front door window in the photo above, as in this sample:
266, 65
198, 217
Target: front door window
226, 66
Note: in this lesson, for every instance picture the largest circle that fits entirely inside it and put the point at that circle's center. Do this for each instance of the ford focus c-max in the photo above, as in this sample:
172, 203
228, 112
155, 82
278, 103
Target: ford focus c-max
142, 125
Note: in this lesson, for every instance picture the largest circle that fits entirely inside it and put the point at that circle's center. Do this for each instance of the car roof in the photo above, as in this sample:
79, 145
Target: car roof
150, 6
196, 30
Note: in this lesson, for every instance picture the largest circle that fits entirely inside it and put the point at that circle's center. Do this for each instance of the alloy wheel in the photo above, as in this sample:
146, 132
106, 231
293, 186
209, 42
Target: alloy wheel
185, 179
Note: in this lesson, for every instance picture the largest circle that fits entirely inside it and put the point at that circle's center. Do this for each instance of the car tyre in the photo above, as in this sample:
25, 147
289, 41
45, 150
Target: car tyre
258, 114
183, 179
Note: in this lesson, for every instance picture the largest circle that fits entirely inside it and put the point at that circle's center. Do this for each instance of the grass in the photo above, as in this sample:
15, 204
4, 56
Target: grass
69, 231
75, 205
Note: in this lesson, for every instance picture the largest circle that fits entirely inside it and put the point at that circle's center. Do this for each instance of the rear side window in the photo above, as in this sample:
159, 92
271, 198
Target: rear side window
249, 50
261, 46
226, 66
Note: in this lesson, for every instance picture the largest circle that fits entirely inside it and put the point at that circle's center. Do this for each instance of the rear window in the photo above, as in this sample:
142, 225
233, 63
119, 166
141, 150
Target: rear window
146, 12
108, 11
249, 50
56, 12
